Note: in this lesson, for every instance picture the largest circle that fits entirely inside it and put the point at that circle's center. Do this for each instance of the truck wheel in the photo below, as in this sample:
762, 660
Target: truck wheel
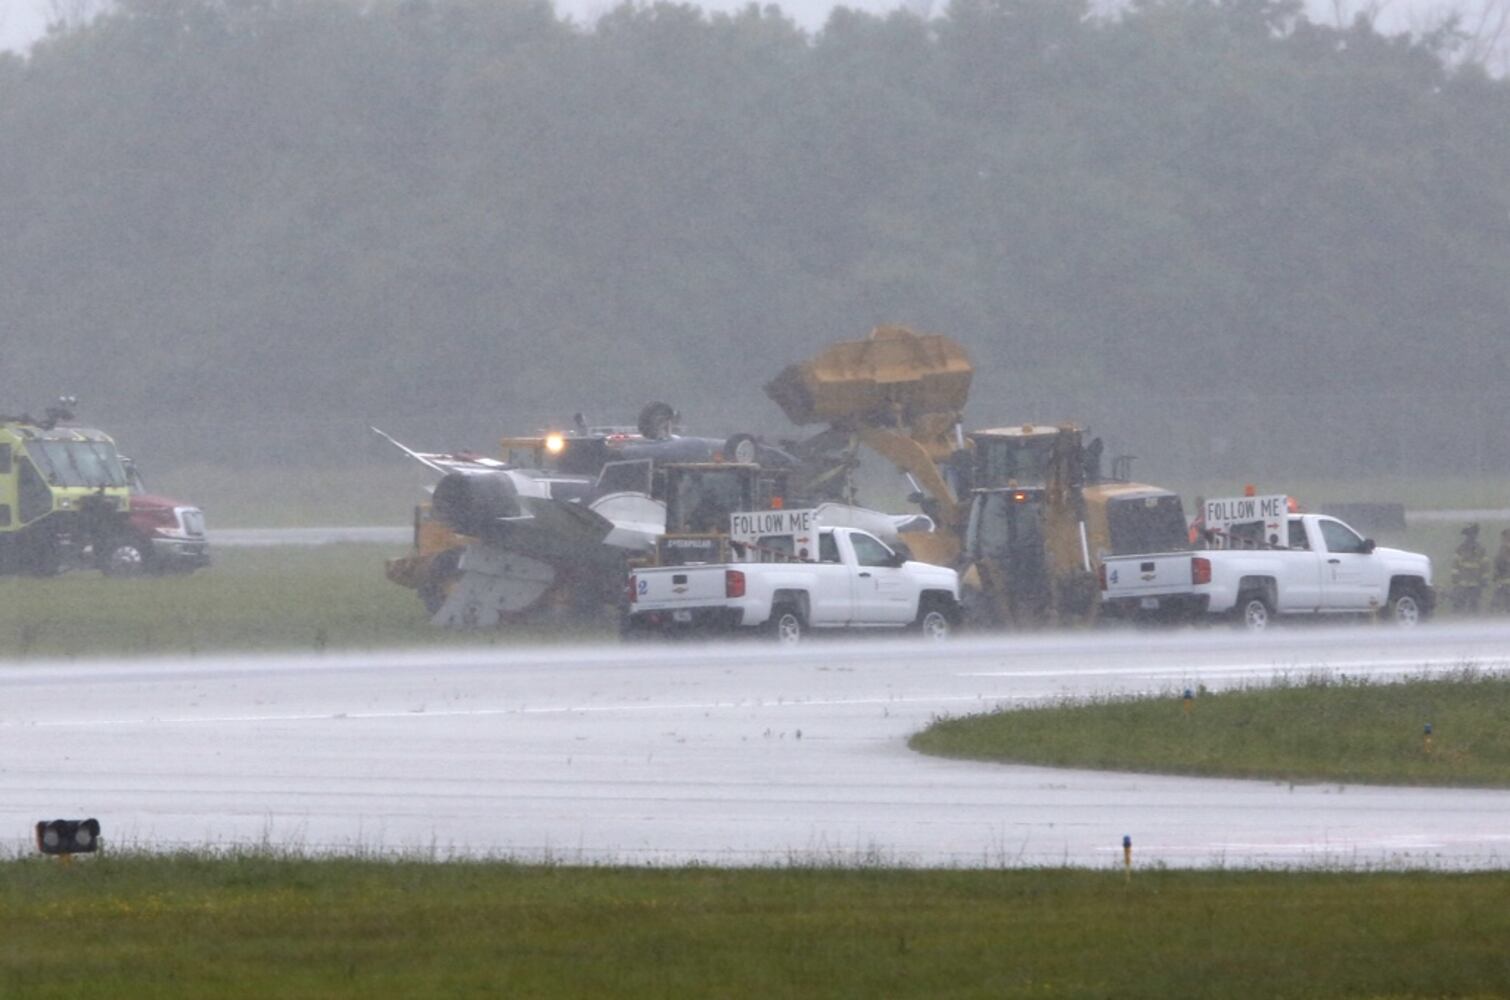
631, 631
933, 622
123, 557
1405, 607
786, 625
1254, 612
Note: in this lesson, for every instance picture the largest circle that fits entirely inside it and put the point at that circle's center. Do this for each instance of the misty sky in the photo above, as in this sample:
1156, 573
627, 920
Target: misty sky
23, 21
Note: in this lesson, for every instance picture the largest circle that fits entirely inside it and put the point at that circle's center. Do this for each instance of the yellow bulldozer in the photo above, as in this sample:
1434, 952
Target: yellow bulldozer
1024, 512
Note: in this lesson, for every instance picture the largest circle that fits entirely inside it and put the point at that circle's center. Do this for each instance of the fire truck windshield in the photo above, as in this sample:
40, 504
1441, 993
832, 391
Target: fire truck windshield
78, 463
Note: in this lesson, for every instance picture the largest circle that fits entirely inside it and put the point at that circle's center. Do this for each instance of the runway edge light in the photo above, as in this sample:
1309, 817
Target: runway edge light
68, 836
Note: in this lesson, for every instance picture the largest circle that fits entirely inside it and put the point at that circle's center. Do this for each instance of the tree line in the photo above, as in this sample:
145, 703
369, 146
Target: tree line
1231, 239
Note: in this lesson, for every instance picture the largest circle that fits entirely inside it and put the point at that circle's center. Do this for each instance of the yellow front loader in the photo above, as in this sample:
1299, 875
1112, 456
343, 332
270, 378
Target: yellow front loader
1021, 511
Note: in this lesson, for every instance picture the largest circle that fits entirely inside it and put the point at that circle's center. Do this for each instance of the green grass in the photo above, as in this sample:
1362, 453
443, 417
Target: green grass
1316, 729
287, 598
252, 926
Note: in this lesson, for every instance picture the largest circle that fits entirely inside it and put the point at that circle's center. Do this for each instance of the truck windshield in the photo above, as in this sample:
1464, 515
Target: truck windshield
1146, 524
78, 463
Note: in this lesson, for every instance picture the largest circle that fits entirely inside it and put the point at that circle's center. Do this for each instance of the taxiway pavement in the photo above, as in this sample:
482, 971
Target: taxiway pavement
729, 754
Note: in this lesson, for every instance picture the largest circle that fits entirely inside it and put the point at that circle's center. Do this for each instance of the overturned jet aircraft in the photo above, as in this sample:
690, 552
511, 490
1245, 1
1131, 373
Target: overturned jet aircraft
552, 524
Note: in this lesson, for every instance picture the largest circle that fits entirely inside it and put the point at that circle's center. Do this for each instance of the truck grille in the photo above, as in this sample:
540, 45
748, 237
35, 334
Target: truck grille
192, 520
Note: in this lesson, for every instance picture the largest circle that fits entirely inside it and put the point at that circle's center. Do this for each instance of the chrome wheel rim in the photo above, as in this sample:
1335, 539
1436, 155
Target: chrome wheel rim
935, 626
1256, 616
126, 560
1407, 611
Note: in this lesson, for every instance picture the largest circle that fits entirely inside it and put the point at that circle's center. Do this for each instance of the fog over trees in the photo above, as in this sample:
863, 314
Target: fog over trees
1232, 240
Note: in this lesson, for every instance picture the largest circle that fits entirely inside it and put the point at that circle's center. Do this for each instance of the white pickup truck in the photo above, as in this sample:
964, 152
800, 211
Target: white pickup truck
822, 578
1309, 564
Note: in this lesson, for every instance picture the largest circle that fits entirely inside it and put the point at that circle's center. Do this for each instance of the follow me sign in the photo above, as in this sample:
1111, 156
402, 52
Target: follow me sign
1236, 510
749, 525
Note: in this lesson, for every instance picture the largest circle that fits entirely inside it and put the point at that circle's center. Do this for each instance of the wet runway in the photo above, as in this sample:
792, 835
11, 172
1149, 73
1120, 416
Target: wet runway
733, 754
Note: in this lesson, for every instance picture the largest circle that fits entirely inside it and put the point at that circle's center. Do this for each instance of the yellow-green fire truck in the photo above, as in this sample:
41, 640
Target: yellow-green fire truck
65, 499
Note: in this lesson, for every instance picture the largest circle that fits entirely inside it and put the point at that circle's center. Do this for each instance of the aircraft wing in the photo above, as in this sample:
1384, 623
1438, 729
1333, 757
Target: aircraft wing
444, 462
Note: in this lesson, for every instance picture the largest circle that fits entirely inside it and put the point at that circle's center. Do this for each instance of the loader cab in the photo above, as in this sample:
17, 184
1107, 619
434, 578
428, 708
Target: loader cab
700, 497
1029, 456
1005, 540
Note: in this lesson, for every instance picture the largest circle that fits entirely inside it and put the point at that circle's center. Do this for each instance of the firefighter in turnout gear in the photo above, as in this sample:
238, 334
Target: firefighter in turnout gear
1470, 572
1499, 600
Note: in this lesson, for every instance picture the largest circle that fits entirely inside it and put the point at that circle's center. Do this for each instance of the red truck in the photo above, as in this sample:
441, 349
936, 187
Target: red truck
161, 535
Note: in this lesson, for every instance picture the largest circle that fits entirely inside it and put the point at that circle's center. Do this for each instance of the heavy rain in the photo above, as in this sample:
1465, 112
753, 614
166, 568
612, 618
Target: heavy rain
604, 434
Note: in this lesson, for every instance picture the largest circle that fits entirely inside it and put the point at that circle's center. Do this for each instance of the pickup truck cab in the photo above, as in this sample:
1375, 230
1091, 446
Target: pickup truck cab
829, 578
1310, 564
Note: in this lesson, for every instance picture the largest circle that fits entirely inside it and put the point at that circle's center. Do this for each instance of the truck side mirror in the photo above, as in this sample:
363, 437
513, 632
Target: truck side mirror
1369, 545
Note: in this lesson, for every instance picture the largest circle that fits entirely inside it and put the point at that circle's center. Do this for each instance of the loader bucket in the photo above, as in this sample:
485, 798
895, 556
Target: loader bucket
889, 379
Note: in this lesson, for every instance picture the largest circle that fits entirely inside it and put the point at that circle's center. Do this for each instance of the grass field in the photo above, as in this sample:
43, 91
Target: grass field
261, 926
384, 493
284, 598
1312, 729
287, 598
